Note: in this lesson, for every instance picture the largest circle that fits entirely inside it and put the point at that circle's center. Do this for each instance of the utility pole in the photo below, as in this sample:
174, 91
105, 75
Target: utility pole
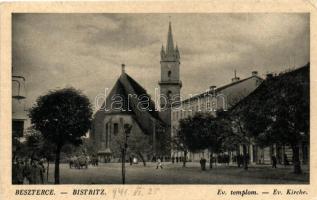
126, 133
154, 138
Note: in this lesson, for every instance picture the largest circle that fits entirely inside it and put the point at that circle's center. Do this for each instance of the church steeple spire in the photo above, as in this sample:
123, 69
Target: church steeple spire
170, 43
171, 53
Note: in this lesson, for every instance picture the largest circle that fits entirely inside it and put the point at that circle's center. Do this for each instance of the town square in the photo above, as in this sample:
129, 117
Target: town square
218, 98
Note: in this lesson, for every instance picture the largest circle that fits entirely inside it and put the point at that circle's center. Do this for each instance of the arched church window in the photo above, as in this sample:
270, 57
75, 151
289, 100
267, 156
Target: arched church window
169, 94
105, 135
115, 128
169, 73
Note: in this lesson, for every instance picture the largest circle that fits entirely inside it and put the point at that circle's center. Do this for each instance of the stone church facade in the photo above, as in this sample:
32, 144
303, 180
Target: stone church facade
123, 106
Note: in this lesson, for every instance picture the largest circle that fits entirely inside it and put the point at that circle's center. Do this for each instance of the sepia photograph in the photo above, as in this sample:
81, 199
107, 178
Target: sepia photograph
160, 98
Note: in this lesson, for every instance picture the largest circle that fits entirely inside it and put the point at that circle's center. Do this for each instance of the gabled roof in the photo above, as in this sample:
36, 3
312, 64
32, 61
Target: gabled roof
219, 89
268, 85
130, 91
139, 90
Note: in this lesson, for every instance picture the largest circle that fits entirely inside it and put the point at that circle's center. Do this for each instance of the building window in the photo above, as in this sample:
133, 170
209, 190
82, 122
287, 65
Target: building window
169, 73
115, 128
105, 135
257, 83
17, 128
169, 94
208, 105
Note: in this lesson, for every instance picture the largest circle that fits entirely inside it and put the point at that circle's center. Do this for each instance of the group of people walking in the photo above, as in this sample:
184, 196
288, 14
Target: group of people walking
28, 171
177, 159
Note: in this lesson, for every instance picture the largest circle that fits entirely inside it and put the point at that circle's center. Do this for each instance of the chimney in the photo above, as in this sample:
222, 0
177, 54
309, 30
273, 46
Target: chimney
212, 89
235, 78
269, 75
254, 73
123, 68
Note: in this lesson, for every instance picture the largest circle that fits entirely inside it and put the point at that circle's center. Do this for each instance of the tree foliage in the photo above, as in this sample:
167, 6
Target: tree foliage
62, 116
139, 144
201, 131
278, 112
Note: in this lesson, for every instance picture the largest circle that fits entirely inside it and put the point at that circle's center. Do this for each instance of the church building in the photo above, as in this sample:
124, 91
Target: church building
170, 83
124, 104
127, 103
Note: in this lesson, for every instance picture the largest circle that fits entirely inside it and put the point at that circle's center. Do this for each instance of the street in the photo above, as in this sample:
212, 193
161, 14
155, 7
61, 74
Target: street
110, 173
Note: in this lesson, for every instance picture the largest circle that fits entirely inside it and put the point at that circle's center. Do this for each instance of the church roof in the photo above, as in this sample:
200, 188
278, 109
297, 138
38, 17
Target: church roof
170, 43
129, 91
139, 90
171, 53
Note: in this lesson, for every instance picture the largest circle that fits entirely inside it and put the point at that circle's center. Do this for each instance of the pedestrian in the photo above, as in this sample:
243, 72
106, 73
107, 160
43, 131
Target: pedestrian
176, 159
36, 172
14, 172
17, 172
239, 160
27, 170
203, 164
159, 163
285, 160
41, 165
173, 159
274, 161
131, 161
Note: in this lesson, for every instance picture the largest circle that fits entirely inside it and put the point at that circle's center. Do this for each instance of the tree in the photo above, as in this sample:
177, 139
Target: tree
200, 132
62, 116
222, 128
139, 144
278, 112
239, 135
287, 112
178, 143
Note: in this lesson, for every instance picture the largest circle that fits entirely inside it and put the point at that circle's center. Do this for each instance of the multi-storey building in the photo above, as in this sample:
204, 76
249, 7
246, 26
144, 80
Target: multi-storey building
212, 100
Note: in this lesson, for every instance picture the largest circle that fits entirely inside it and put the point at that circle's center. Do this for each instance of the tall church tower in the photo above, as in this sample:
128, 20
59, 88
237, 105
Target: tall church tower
170, 84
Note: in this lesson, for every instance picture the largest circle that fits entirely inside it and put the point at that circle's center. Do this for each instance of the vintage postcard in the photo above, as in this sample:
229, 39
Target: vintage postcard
158, 100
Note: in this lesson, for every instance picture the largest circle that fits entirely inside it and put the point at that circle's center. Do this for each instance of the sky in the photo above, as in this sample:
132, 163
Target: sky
85, 51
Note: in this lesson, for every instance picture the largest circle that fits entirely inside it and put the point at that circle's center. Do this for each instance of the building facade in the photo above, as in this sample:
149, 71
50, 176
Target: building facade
108, 121
124, 105
210, 101
170, 83
19, 113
